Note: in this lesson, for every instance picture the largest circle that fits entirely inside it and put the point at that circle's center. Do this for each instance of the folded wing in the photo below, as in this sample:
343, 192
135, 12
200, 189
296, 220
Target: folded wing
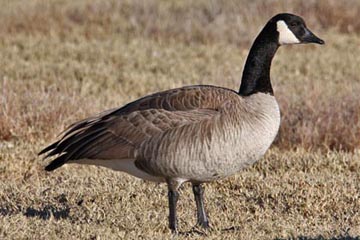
115, 134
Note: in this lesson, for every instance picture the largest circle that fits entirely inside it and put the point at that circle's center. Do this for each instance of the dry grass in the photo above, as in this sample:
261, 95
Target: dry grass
286, 195
56, 50
59, 55
203, 21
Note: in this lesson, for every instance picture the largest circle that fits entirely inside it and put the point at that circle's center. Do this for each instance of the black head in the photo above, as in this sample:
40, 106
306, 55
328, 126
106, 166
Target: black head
292, 29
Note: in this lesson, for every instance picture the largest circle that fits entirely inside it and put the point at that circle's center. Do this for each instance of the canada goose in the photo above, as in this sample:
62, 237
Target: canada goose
191, 134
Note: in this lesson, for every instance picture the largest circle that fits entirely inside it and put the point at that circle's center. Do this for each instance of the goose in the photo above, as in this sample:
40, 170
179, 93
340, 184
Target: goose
195, 134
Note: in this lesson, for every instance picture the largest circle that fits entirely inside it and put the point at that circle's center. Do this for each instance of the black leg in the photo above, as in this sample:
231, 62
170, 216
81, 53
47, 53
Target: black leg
173, 196
202, 219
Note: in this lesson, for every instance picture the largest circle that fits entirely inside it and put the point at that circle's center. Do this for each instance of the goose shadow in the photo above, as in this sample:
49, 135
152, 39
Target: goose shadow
47, 212
44, 213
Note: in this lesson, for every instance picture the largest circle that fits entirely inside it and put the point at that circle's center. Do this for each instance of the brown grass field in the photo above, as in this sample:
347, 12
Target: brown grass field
64, 60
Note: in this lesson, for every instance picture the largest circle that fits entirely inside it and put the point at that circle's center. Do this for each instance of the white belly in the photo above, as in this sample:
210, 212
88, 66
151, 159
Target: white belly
123, 165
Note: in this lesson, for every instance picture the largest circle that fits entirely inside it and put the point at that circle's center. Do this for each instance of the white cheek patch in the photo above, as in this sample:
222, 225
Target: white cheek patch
286, 36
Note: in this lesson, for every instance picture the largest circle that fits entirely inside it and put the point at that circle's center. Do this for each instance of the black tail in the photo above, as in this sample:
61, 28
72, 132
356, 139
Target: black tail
57, 162
48, 148
78, 142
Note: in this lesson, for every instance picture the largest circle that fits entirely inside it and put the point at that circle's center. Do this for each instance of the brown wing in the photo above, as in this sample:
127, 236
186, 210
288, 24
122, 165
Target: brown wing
115, 134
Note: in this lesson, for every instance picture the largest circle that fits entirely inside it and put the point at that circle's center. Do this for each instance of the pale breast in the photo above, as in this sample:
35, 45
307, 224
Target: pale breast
214, 148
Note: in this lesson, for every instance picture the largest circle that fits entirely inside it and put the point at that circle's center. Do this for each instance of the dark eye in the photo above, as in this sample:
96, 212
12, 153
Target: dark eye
294, 24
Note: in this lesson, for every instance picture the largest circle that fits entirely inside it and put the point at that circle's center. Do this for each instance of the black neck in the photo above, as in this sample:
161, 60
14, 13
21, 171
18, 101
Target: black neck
256, 74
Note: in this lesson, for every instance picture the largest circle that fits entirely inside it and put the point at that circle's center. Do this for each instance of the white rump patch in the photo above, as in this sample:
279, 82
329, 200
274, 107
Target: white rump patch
286, 36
